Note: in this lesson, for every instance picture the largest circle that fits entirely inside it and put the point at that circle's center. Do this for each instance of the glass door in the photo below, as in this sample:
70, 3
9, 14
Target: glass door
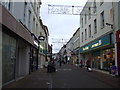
8, 58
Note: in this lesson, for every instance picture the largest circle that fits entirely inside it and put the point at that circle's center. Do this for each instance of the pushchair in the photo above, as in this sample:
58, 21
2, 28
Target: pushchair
51, 68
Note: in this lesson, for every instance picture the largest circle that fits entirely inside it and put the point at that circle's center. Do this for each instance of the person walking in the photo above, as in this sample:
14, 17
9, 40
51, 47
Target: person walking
88, 65
80, 63
60, 63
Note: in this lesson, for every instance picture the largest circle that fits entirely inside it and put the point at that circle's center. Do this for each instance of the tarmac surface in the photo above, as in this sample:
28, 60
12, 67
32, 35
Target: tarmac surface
67, 76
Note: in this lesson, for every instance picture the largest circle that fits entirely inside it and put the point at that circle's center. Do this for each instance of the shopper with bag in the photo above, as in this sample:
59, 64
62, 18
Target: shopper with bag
88, 66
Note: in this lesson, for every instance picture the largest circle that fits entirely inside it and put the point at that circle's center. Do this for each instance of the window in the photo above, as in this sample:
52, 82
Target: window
82, 36
10, 3
85, 34
33, 25
89, 10
89, 30
101, 2
29, 19
95, 26
25, 7
85, 18
37, 10
94, 6
36, 28
82, 22
102, 20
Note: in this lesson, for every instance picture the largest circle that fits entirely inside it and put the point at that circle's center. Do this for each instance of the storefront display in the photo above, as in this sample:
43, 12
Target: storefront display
108, 58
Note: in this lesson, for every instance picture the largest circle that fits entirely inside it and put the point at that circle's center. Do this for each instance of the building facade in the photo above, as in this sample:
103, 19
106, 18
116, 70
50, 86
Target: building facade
96, 37
20, 31
76, 46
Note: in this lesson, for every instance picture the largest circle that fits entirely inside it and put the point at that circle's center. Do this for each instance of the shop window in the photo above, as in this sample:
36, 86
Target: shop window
108, 58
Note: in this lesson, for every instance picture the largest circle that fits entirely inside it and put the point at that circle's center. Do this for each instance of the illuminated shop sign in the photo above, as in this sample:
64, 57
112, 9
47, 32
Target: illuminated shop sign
96, 44
85, 48
36, 43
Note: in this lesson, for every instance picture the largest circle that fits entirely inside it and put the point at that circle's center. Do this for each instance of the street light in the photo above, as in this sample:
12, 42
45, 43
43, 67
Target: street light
41, 38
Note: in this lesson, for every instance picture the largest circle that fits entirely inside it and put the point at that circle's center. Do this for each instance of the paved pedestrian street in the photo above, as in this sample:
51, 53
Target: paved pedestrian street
67, 76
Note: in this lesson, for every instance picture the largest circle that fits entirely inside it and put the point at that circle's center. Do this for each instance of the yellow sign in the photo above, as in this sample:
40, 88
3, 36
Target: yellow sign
96, 44
86, 48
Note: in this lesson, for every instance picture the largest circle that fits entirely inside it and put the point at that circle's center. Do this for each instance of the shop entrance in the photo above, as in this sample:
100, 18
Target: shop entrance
96, 60
8, 58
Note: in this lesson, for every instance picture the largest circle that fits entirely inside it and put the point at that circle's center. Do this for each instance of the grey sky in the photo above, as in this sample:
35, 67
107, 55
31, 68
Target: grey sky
60, 25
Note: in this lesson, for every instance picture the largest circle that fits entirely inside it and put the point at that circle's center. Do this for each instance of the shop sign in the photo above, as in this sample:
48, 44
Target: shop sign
118, 36
96, 44
86, 48
35, 43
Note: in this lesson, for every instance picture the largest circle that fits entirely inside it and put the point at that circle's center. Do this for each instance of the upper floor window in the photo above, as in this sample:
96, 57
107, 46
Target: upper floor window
33, 24
102, 20
29, 19
89, 12
82, 22
85, 18
10, 3
95, 26
85, 34
25, 8
36, 28
89, 30
94, 6
82, 36
101, 2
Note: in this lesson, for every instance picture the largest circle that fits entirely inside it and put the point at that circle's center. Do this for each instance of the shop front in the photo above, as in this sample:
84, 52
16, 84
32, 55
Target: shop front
8, 58
118, 50
101, 53
96, 61
34, 54
108, 58
15, 48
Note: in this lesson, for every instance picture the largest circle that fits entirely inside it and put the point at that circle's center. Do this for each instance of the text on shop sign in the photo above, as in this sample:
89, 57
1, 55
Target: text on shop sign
96, 44
105, 40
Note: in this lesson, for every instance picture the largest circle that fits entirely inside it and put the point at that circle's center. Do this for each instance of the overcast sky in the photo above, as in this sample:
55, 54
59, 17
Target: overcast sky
60, 25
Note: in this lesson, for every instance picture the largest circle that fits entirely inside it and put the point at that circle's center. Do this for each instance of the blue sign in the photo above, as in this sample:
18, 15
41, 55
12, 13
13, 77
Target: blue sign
96, 44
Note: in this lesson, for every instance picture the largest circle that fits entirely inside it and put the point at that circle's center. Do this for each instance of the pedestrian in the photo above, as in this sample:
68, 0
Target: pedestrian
80, 63
60, 63
88, 65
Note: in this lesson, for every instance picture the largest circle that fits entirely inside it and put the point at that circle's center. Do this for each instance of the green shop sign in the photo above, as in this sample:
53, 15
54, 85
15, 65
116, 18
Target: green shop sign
42, 49
96, 44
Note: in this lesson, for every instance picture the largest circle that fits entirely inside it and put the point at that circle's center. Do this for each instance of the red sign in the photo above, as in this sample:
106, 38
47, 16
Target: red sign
118, 36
